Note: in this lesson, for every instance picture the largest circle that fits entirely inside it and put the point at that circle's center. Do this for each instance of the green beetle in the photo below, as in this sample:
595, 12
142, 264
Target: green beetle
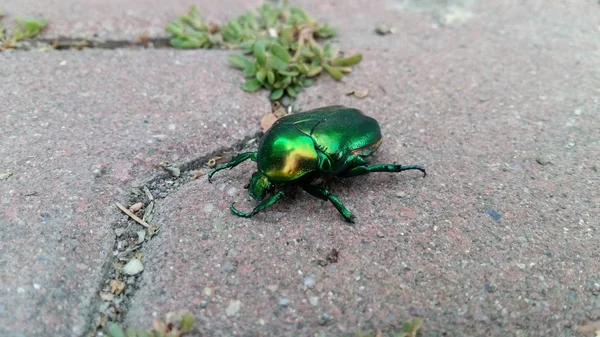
300, 148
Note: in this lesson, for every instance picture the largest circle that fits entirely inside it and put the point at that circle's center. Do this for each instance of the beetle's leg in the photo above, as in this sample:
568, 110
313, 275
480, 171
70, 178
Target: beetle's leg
262, 205
233, 163
324, 194
365, 169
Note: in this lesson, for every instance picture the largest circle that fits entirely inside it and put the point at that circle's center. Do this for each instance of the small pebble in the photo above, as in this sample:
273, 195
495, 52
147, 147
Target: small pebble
314, 301
543, 160
489, 288
208, 291
284, 302
141, 234
324, 319
119, 231
233, 308
133, 267
107, 297
309, 282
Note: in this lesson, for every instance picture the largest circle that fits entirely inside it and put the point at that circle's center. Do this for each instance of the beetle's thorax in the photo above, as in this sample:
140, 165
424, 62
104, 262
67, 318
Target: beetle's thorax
286, 154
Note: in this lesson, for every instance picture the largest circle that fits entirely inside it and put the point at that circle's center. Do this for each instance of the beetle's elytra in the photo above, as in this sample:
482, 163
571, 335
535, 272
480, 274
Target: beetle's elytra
300, 148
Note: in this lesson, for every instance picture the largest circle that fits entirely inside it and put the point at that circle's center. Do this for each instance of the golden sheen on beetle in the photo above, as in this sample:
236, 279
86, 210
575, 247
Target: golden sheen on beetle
301, 148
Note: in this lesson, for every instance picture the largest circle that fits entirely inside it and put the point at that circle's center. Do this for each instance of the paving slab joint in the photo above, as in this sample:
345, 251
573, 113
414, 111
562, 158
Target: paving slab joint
65, 43
106, 306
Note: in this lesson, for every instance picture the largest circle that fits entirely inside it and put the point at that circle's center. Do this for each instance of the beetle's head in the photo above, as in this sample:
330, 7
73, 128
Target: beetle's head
259, 185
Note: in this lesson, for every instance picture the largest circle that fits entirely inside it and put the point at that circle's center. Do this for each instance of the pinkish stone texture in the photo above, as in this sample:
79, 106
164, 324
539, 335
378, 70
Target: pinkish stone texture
500, 239
77, 129
118, 19
491, 243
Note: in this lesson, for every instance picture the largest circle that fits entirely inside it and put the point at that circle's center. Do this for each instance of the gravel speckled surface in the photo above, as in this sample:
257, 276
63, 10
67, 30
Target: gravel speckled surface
500, 239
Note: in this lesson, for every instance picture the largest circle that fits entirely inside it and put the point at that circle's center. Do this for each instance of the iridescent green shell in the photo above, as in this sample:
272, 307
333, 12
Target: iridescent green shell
323, 140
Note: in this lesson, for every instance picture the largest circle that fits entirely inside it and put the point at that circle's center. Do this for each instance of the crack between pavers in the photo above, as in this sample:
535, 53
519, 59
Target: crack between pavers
74, 43
63, 43
99, 320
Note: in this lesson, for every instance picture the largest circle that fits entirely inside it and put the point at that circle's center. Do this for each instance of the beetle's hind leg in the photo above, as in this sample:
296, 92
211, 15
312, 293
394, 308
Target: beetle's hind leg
262, 205
365, 169
233, 163
324, 194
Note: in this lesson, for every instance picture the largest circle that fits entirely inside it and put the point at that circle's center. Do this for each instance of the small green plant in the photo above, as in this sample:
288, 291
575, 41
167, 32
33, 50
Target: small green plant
175, 325
283, 48
26, 27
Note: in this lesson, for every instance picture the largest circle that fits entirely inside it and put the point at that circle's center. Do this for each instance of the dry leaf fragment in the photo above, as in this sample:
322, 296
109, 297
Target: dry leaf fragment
359, 93
279, 110
116, 286
213, 161
590, 329
267, 121
136, 207
197, 174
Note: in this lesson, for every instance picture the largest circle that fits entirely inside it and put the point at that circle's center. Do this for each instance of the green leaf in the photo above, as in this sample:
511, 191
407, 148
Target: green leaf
299, 16
187, 321
291, 91
314, 71
287, 34
307, 83
250, 70
327, 50
259, 52
142, 333
289, 73
174, 28
275, 95
115, 330
270, 77
333, 71
302, 68
281, 53
240, 61
261, 75
131, 333
348, 61
251, 85
277, 63
286, 81
247, 46
326, 32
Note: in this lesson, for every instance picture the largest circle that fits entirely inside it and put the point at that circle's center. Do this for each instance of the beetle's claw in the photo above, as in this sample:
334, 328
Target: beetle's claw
238, 213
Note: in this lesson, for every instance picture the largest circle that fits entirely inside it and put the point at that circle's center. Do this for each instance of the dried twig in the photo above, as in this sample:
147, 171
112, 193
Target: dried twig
133, 216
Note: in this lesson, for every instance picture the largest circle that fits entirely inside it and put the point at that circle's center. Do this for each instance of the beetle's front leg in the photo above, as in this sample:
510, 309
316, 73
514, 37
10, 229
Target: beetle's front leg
233, 163
324, 194
365, 169
262, 205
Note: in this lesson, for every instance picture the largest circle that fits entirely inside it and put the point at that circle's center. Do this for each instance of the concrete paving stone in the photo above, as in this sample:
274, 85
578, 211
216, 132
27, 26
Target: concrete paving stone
500, 239
118, 19
77, 129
